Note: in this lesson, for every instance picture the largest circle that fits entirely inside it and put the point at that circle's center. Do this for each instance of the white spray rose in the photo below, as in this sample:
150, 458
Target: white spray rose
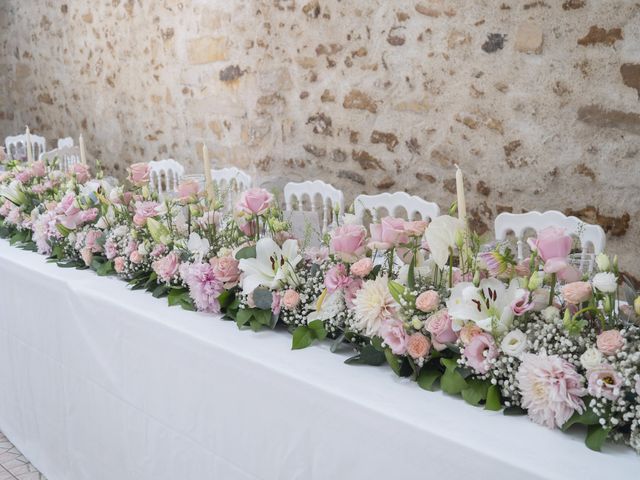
606, 282
591, 358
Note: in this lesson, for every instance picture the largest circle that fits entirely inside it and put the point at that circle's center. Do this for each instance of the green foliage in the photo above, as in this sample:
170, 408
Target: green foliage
246, 252
304, 335
452, 382
428, 376
596, 435
180, 296
255, 318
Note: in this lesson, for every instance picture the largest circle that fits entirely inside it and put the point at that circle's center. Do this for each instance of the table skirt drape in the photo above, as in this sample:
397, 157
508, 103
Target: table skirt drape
99, 382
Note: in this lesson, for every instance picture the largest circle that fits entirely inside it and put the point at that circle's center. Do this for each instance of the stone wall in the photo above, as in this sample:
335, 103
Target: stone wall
538, 101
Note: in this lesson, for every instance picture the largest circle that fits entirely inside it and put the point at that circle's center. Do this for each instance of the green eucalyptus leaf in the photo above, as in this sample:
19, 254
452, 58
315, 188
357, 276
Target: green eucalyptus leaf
246, 252
263, 298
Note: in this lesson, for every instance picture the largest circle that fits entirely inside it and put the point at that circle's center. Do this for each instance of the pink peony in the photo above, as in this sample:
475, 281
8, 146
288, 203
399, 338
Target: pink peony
418, 346
336, 278
188, 189
347, 242
139, 174
255, 201
610, 342
604, 381
118, 264
362, 267
81, 171
144, 210
551, 389
480, 351
226, 270
204, 286
291, 299
439, 326
393, 333
577, 292
389, 233
166, 267
135, 257
522, 305
428, 301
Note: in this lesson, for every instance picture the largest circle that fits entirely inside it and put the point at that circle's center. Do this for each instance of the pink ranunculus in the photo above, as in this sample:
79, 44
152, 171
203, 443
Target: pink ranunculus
144, 210
118, 264
480, 351
135, 257
418, 346
362, 267
439, 326
428, 301
291, 299
577, 292
610, 342
255, 201
87, 256
604, 381
522, 304
226, 270
347, 242
81, 171
389, 233
393, 333
139, 173
166, 267
336, 278
188, 189
38, 169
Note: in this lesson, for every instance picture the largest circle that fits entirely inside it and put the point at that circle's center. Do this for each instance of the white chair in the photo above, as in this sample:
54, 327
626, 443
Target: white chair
232, 181
65, 156
589, 235
65, 142
331, 197
16, 146
393, 203
164, 176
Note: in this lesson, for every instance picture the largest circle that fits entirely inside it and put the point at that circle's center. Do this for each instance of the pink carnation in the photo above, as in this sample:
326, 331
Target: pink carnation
393, 333
166, 267
480, 351
336, 278
291, 299
362, 267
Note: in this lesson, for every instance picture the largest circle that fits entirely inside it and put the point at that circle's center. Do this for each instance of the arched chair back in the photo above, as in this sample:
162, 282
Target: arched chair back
590, 236
393, 203
61, 158
65, 142
164, 176
16, 146
332, 199
229, 182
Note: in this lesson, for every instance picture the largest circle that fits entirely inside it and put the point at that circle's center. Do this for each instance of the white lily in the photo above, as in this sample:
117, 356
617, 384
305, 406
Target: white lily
13, 193
441, 237
488, 306
198, 246
272, 267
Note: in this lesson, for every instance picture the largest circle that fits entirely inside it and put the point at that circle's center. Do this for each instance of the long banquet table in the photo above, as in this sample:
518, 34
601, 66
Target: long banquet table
99, 382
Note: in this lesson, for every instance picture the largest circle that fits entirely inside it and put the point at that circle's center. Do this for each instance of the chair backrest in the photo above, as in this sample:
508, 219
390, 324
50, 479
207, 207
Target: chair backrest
518, 223
164, 176
16, 146
332, 198
66, 157
393, 202
65, 142
229, 183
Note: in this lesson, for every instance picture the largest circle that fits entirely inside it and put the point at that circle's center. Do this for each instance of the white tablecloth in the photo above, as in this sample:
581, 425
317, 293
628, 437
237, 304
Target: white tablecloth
98, 382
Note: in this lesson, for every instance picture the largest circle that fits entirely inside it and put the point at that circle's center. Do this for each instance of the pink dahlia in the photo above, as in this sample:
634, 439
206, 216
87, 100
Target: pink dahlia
551, 389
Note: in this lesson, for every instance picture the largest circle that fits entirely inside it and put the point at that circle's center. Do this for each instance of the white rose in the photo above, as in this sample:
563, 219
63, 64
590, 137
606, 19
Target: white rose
514, 343
591, 358
606, 282
602, 260
551, 314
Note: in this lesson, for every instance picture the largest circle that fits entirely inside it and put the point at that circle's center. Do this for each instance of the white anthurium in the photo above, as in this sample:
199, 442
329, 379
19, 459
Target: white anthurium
198, 246
108, 219
424, 269
272, 267
327, 306
488, 306
441, 237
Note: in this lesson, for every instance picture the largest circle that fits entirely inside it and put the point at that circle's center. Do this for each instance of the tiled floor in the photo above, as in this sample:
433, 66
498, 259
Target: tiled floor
13, 465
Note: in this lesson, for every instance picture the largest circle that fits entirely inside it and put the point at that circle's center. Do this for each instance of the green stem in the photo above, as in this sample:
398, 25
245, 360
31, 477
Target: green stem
591, 309
552, 293
451, 266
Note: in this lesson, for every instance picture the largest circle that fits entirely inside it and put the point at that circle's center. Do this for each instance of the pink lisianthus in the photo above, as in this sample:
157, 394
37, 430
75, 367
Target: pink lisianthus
418, 346
347, 242
336, 278
144, 210
604, 381
166, 267
389, 233
480, 351
551, 389
393, 333
290, 299
24, 176
118, 264
523, 304
88, 215
81, 171
362, 267
188, 189
610, 342
428, 301
439, 325
204, 286
226, 270
255, 201
139, 174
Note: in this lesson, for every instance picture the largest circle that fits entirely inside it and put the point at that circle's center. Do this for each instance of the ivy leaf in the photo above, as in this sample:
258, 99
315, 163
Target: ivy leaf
160, 291
317, 327
451, 382
476, 392
243, 316
596, 435
585, 418
493, 399
368, 355
428, 377
246, 252
302, 337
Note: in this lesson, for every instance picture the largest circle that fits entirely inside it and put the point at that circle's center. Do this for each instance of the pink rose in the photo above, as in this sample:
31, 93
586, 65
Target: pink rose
118, 264
389, 233
610, 342
291, 299
139, 174
188, 189
522, 305
135, 257
415, 229
480, 351
248, 227
362, 267
165, 267
144, 210
87, 256
577, 292
336, 278
81, 171
552, 242
439, 326
92, 239
604, 381
255, 201
393, 333
38, 169
418, 346
347, 242
428, 301
226, 270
